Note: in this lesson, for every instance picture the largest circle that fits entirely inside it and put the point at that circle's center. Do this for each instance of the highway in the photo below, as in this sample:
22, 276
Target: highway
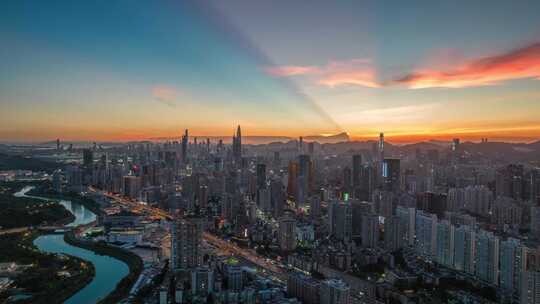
134, 206
247, 254
225, 246
14, 230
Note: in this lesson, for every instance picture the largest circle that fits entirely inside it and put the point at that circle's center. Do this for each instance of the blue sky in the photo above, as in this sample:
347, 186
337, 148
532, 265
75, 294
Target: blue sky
120, 70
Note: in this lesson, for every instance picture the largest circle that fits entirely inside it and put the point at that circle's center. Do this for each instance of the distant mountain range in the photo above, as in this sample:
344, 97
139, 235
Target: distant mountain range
341, 142
341, 137
511, 152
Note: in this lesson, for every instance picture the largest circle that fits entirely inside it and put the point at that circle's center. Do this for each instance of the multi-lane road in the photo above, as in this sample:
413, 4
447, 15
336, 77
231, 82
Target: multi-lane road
248, 254
224, 246
134, 206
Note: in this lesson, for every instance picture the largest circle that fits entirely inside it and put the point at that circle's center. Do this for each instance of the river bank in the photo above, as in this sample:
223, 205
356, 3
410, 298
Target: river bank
109, 271
44, 190
19, 211
50, 278
133, 262
116, 270
82, 215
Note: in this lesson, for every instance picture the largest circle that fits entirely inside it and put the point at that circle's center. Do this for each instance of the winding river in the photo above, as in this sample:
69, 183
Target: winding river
109, 271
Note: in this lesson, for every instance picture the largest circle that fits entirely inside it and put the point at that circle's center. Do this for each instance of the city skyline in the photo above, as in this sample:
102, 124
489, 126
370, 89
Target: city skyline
272, 152
415, 72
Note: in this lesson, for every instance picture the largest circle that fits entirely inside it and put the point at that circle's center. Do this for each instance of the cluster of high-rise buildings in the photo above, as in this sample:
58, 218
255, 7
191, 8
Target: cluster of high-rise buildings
355, 221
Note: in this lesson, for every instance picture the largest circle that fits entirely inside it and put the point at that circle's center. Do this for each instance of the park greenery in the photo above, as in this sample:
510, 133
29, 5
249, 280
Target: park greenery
31, 212
28, 212
45, 189
49, 278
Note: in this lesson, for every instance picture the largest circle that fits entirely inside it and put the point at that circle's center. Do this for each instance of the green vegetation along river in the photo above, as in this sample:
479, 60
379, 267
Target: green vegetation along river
108, 271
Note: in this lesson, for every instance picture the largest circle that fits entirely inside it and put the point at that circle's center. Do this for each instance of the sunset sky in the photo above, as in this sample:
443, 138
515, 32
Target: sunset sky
125, 70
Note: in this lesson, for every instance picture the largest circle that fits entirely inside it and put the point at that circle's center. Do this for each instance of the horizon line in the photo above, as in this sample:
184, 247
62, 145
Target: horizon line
393, 139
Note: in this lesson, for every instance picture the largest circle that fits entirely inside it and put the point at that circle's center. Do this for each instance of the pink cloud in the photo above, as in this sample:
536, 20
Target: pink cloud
356, 72
365, 78
455, 72
292, 70
517, 64
165, 94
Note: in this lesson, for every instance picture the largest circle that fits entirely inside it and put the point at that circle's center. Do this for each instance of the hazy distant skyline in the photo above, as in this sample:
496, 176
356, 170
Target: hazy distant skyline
119, 70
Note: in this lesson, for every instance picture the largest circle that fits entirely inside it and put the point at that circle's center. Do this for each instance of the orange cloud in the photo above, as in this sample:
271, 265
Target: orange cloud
292, 70
365, 78
358, 72
517, 64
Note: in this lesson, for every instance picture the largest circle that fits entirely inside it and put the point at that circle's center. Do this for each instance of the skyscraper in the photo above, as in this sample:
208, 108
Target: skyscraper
287, 235
432, 202
530, 287
132, 186
305, 169
185, 142
478, 199
394, 233
381, 146
347, 180
506, 211
303, 287
456, 199
370, 231
335, 291
186, 252
464, 249
356, 170
237, 146
512, 262
261, 176
384, 202
264, 199
445, 243
426, 234
202, 281
407, 218
509, 181
88, 158
315, 207
487, 257
234, 275
340, 220
292, 179
277, 197
359, 209
367, 182
535, 221
391, 174
533, 185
